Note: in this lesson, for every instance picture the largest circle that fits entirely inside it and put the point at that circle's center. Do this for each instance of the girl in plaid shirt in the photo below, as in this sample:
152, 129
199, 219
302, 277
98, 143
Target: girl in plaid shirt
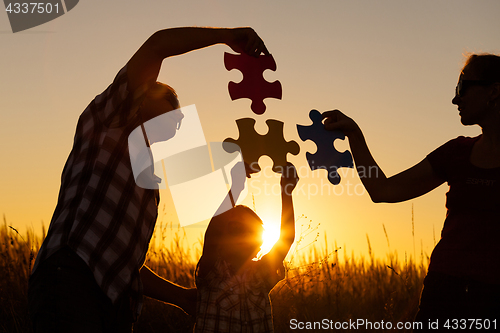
233, 289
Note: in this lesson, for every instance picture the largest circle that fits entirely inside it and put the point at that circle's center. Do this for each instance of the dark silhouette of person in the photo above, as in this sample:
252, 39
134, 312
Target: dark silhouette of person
462, 286
233, 288
89, 274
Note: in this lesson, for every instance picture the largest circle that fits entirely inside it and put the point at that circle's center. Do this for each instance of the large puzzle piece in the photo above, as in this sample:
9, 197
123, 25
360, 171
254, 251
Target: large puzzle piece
254, 145
326, 157
253, 85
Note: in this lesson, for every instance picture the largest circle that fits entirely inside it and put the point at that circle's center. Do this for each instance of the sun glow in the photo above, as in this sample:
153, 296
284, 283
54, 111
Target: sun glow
269, 237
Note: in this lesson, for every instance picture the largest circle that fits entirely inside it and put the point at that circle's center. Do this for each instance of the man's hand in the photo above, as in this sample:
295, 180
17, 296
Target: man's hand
246, 40
144, 67
188, 302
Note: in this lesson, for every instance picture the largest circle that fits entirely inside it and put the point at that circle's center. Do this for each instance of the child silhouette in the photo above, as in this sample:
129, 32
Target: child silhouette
233, 288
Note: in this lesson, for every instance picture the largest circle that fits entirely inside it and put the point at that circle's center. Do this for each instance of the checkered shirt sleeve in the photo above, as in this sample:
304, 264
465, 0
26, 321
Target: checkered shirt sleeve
101, 213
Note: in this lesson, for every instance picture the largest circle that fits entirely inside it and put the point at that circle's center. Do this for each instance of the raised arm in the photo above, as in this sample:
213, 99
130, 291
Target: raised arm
279, 251
144, 66
216, 228
403, 186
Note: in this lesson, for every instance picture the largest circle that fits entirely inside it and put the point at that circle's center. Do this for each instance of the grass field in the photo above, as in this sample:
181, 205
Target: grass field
320, 285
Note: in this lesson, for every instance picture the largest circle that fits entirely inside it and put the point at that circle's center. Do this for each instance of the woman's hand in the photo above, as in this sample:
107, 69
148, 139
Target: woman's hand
337, 121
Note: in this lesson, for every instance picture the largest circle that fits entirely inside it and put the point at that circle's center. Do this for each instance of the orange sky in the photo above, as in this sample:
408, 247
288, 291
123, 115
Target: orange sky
391, 65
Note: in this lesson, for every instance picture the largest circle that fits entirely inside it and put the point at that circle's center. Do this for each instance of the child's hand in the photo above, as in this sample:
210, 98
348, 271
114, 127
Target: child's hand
238, 177
289, 179
249, 169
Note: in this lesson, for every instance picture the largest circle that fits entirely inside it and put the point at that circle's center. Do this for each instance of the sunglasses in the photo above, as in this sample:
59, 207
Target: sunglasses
463, 85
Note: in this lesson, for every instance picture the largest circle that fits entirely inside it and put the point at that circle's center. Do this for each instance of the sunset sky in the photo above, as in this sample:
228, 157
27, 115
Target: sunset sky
391, 65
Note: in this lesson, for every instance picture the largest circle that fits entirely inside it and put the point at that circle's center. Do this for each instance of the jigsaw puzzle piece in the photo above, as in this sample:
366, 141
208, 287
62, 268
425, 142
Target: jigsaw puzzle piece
250, 140
276, 146
253, 85
326, 156
254, 145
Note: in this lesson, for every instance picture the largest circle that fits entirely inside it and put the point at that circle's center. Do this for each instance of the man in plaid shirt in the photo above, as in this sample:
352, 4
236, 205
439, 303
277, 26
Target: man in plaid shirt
89, 274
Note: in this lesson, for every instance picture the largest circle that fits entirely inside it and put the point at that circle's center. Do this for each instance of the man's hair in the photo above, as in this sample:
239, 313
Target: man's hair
485, 65
166, 91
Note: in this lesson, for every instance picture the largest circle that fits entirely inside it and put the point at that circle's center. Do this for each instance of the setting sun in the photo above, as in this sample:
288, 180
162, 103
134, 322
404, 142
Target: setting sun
269, 237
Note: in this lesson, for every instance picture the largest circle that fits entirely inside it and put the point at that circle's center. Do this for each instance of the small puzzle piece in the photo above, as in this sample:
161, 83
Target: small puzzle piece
326, 157
253, 85
254, 145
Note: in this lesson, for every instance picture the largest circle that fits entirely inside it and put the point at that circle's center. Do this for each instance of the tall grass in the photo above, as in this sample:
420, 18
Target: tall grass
17, 254
342, 290
320, 284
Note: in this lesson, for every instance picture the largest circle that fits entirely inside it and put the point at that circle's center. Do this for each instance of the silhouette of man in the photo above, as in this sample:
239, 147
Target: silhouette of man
89, 274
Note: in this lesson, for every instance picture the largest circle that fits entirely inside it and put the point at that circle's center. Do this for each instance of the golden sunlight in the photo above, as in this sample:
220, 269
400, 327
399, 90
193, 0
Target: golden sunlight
269, 237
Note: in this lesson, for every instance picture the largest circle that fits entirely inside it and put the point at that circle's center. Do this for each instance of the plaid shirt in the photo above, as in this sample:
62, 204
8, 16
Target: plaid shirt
232, 303
101, 213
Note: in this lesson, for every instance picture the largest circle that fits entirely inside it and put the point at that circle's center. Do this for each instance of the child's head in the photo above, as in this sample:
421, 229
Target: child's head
240, 235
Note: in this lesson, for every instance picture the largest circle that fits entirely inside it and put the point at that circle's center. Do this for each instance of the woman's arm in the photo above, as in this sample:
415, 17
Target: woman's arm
403, 186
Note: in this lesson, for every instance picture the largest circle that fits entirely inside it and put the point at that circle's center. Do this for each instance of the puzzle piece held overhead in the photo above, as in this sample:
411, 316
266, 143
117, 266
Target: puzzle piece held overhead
254, 145
253, 85
326, 157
